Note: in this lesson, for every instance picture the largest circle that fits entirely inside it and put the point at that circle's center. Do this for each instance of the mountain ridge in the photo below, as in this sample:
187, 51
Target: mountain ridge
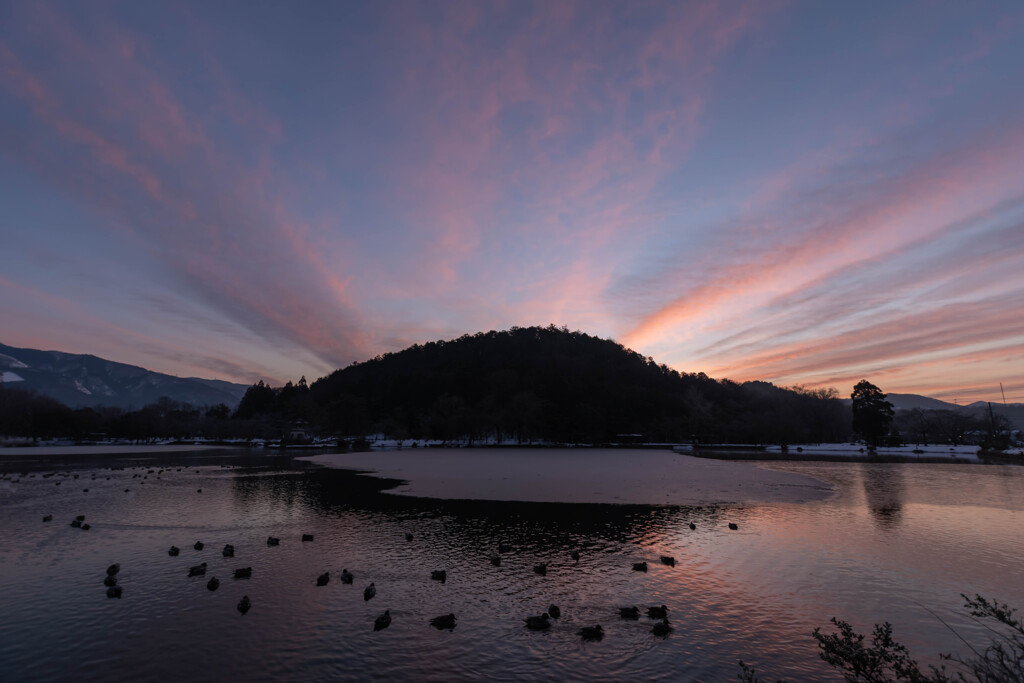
85, 380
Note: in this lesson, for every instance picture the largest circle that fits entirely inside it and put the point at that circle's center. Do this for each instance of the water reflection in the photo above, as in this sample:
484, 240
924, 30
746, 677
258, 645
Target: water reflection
884, 491
753, 593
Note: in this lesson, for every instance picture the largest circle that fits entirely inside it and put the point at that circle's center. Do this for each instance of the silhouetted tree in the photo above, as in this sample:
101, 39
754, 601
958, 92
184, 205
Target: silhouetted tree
872, 414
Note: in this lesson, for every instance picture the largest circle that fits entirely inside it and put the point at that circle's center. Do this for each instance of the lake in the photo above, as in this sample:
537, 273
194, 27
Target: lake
889, 542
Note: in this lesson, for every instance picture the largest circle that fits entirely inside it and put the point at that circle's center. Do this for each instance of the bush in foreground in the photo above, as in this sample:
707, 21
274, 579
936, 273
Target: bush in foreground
885, 660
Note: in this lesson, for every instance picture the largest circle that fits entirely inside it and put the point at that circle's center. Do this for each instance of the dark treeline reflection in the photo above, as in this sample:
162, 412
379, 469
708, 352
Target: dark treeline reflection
883, 489
480, 524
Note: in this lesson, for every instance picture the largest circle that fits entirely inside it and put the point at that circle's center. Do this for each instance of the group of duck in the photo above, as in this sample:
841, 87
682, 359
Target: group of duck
661, 627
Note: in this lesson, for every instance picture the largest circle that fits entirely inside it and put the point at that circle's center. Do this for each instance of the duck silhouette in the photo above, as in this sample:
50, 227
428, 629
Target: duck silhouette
346, 576
323, 579
213, 584
408, 536
692, 526
173, 552
114, 592
383, 621
243, 573
245, 604
439, 575
113, 569
541, 569
307, 537
639, 566
229, 550
554, 612
446, 621
496, 560
369, 591
110, 580
273, 541
198, 570
575, 555
733, 526
538, 623
669, 560
657, 612
198, 545
48, 518
630, 612
592, 632
661, 628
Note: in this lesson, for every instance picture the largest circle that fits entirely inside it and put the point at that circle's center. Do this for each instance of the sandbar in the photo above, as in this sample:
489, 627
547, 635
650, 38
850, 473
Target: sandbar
633, 477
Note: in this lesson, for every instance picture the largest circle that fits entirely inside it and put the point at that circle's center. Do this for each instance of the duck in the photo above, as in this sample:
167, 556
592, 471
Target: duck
173, 552
273, 541
229, 550
323, 579
198, 570
383, 621
657, 612
554, 612
408, 537
669, 560
243, 573
114, 592
439, 575
369, 591
85, 526
445, 621
113, 569
732, 525
213, 584
346, 576
630, 612
661, 628
307, 537
76, 523
575, 555
692, 526
496, 560
541, 569
538, 623
80, 518
48, 518
245, 604
639, 566
110, 580
592, 632
504, 548
198, 545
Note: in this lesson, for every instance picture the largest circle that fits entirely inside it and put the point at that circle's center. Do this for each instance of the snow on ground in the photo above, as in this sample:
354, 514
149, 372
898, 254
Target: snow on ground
43, 451
642, 477
912, 451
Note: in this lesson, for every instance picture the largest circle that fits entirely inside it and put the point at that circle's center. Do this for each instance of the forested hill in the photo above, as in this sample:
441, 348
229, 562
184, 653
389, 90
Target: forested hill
550, 383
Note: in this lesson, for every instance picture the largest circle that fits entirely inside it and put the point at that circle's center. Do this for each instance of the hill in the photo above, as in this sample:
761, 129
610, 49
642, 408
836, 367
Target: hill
550, 383
78, 381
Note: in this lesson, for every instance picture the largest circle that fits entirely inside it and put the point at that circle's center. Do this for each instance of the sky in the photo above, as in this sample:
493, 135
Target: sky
806, 193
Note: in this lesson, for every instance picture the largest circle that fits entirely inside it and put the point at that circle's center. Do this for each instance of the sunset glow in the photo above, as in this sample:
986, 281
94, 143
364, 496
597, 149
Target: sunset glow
803, 193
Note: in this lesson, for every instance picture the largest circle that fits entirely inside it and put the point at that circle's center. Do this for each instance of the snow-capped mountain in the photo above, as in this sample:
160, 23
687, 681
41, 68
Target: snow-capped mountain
81, 380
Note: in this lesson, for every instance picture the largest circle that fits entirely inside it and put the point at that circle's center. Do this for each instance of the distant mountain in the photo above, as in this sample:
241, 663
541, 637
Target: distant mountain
978, 410
911, 401
81, 380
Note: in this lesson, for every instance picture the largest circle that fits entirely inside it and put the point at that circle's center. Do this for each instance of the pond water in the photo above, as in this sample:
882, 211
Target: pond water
894, 542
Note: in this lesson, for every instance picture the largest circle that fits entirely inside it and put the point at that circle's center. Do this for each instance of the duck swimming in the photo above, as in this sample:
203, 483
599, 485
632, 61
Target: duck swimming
198, 545
554, 612
439, 575
383, 621
198, 570
173, 552
592, 632
662, 628
630, 612
369, 591
245, 604
323, 579
346, 576
538, 623
273, 541
243, 573
639, 566
446, 621
541, 569
229, 550
669, 560
657, 612
213, 584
